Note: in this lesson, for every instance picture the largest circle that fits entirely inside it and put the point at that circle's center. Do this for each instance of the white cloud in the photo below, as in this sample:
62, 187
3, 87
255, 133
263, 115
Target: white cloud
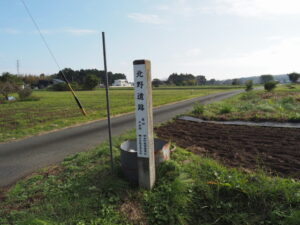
188, 54
81, 31
146, 18
9, 31
193, 52
180, 7
73, 31
47, 31
274, 38
279, 58
257, 8
242, 8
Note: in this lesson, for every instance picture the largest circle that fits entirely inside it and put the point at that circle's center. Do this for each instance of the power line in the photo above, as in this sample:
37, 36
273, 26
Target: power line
53, 57
40, 33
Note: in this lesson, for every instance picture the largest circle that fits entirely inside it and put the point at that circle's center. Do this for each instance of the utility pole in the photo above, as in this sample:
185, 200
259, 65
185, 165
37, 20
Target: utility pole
18, 67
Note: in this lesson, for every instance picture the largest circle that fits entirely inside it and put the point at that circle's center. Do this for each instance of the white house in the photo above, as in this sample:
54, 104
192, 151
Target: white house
121, 83
57, 81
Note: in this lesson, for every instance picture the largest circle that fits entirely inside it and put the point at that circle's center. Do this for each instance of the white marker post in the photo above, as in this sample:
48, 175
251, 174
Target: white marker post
144, 123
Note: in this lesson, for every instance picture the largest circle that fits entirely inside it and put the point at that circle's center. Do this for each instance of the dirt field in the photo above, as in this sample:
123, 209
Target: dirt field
275, 150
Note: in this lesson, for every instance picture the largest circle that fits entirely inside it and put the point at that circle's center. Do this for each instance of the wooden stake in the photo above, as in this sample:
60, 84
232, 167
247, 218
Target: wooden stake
144, 123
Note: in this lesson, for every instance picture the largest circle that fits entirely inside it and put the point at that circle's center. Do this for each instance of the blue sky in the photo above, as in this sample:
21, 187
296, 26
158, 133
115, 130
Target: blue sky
217, 38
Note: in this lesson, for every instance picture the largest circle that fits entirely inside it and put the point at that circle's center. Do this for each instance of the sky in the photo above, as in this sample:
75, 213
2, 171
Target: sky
220, 39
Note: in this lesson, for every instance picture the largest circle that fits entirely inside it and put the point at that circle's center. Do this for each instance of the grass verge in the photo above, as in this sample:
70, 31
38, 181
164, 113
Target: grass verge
189, 190
56, 110
282, 105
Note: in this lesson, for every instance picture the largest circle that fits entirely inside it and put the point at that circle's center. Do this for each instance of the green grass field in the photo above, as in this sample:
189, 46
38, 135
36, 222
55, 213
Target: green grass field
282, 104
189, 190
55, 110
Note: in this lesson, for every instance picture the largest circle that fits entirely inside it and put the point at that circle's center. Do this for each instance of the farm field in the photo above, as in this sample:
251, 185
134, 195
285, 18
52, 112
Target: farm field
189, 190
282, 105
56, 110
271, 149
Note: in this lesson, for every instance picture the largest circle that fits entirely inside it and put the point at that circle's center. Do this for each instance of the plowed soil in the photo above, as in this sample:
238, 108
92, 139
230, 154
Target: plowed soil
275, 150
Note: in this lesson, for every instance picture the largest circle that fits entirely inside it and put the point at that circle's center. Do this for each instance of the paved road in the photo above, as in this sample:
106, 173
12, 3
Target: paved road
20, 158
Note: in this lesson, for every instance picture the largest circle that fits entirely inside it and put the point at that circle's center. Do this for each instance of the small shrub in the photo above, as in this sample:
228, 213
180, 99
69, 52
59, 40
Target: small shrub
269, 86
198, 109
25, 93
225, 108
60, 87
249, 85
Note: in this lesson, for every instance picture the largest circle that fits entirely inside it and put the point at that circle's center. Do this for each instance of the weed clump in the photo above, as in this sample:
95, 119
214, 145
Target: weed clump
198, 109
168, 202
225, 109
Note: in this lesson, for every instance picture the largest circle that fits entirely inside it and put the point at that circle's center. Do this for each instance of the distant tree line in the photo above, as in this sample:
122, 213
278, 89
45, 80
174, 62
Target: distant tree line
181, 80
85, 79
84, 75
191, 80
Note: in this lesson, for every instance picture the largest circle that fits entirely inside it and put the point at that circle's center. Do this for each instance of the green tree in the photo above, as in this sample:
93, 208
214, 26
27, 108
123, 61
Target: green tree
269, 86
8, 77
69, 74
249, 85
156, 82
91, 82
266, 78
181, 79
294, 77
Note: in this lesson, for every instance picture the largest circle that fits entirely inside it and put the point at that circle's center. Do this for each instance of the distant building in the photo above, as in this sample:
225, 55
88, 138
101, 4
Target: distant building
57, 81
121, 83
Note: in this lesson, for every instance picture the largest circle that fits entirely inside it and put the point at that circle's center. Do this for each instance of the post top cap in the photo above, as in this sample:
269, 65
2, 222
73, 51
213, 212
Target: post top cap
141, 61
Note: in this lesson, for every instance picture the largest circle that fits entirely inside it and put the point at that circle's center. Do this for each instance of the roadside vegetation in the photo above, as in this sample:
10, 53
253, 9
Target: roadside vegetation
189, 190
280, 104
46, 110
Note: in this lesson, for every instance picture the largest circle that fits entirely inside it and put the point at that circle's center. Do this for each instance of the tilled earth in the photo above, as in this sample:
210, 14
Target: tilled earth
275, 150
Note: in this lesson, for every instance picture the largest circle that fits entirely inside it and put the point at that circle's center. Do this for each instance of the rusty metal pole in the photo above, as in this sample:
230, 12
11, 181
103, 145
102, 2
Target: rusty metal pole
107, 103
